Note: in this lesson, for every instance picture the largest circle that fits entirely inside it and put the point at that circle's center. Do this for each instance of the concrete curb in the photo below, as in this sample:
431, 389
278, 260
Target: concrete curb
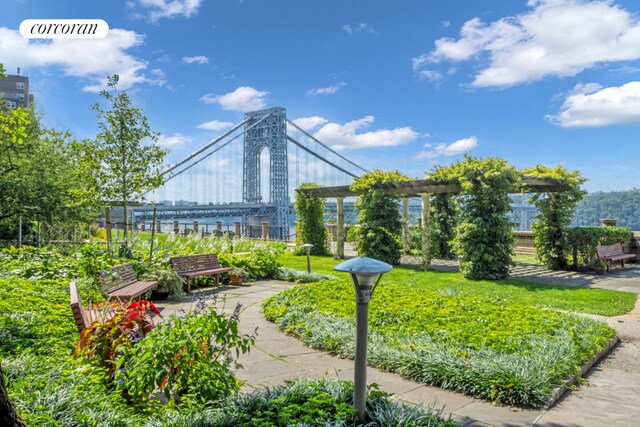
566, 386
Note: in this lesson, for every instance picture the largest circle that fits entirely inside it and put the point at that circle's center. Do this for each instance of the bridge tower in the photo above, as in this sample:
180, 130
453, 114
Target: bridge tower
268, 129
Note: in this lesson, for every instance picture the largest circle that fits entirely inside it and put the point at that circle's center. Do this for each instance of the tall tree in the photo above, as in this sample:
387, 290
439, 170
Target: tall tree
130, 165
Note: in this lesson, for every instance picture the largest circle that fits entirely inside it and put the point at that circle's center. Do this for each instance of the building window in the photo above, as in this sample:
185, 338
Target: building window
20, 96
10, 104
19, 85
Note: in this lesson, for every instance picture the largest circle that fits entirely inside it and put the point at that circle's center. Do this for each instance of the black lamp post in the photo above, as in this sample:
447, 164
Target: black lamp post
365, 275
307, 247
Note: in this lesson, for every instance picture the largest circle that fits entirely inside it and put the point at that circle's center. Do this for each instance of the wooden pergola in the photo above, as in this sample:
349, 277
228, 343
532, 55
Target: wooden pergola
423, 188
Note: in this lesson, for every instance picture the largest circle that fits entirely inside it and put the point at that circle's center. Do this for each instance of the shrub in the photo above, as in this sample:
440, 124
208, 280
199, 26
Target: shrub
379, 234
550, 231
444, 213
168, 280
483, 240
106, 340
187, 358
584, 241
311, 229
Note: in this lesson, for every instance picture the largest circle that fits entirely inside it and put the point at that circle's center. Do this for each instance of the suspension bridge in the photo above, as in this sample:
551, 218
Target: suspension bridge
248, 174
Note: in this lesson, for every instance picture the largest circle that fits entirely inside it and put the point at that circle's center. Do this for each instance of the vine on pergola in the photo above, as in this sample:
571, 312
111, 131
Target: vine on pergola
551, 231
380, 233
444, 212
311, 229
483, 240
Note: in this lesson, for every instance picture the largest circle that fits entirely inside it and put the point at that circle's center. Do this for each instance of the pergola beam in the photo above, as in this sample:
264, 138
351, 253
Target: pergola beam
416, 187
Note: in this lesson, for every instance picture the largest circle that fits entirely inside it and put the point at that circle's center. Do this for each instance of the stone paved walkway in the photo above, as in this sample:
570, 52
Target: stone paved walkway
612, 395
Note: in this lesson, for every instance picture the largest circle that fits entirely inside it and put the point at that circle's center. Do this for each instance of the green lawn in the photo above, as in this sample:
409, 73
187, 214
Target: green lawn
582, 300
503, 341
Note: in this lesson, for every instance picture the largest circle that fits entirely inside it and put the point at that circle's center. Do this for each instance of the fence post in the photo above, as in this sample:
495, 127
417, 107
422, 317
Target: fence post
158, 226
265, 230
143, 224
176, 227
238, 228
195, 227
219, 225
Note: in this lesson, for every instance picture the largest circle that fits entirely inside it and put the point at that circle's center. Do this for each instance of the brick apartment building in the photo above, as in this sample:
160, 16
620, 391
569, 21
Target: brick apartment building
15, 91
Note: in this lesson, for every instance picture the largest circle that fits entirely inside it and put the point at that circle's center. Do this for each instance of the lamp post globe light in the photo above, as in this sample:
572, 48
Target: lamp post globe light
365, 274
307, 247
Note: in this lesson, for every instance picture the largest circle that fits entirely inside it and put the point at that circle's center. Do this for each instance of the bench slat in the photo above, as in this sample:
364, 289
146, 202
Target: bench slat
611, 253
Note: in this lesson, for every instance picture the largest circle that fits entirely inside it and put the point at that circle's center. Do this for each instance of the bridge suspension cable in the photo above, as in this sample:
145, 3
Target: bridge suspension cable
316, 155
327, 147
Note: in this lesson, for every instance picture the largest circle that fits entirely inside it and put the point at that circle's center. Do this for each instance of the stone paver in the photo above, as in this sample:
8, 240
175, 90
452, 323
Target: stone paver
612, 395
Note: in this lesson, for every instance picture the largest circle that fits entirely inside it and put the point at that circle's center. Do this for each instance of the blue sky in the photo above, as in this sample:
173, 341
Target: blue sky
390, 84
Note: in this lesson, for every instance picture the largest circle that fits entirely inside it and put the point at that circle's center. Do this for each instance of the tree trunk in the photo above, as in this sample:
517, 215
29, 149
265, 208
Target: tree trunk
8, 415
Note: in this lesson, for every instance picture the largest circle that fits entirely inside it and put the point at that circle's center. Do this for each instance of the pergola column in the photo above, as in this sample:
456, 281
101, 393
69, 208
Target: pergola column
405, 225
340, 228
426, 229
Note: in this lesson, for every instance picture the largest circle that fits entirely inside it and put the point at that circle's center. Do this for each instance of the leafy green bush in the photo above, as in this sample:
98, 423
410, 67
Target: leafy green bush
187, 358
444, 212
584, 241
168, 280
550, 231
311, 229
505, 352
483, 241
379, 233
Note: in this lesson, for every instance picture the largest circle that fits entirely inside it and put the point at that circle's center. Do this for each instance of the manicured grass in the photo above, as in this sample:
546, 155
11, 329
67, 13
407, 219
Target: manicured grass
485, 346
526, 259
582, 300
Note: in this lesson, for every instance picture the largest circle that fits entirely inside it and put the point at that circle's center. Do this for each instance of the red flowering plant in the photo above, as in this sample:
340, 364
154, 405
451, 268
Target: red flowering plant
123, 325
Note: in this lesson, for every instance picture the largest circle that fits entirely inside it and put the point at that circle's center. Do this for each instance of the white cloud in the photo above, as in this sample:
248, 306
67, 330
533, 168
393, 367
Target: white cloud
215, 125
554, 38
310, 123
362, 27
195, 59
346, 136
460, 146
91, 59
430, 75
168, 8
174, 141
329, 90
591, 105
446, 24
242, 99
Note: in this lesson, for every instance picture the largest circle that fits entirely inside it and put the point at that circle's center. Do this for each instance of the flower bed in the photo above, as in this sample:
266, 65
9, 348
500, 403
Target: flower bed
483, 346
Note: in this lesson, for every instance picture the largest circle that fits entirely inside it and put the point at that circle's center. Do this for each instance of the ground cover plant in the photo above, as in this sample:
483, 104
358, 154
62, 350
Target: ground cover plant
485, 346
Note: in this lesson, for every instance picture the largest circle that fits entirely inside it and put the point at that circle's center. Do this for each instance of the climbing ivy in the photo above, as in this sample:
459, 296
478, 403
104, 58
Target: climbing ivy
444, 211
380, 231
483, 240
310, 229
551, 230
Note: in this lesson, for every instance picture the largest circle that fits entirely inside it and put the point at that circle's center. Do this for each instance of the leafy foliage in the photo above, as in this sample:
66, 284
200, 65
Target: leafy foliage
444, 211
510, 353
129, 167
380, 230
621, 205
311, 229
299, 276
185, 357
483, 240
550, 231
585, 241
123, 325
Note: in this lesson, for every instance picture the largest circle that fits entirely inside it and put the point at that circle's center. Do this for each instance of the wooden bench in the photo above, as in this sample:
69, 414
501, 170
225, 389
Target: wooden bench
198, 265
613, 253
121, 282
84, 317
